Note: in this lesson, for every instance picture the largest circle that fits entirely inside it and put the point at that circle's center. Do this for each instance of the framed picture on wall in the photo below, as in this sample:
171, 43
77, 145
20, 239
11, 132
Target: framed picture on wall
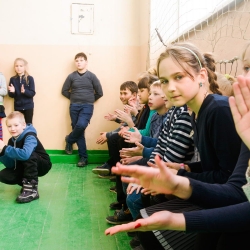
82, 18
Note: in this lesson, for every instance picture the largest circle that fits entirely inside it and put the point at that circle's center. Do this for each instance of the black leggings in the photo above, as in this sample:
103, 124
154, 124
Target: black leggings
28, 115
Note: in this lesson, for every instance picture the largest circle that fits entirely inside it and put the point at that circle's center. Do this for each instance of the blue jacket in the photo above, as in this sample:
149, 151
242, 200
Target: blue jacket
10, 154
22, 101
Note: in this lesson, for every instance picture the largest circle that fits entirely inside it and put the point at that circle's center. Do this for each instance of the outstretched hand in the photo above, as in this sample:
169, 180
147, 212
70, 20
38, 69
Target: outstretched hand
123, 116
110, 117
163, 220
126, 161
102, 138
130, 152
132, 137
159, 179
240, 107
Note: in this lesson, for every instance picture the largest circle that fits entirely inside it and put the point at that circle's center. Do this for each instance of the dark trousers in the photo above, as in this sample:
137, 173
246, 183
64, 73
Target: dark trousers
222, 241
115, 144
80, 115
31, 169
204, 241
28, 115
114, 155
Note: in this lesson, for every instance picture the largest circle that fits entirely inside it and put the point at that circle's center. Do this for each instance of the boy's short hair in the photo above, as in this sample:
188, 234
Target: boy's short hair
132, 86
157, 84
81, 54
146, 81
15, 114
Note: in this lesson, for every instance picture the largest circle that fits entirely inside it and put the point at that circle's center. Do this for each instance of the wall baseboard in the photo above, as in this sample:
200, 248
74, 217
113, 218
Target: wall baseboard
94, 156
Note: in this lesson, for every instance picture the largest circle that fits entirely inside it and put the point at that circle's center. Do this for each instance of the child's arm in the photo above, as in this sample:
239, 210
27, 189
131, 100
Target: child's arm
11, 89
5, 160
29, 90
97, 87
125, 117
3, 87
21, 154
112, 117
66, 87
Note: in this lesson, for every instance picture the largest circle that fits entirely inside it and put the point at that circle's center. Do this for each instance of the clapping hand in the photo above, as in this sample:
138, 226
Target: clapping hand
132, 137
134, 151
110, 117
22, 89
102, 138
240, 107
11, 88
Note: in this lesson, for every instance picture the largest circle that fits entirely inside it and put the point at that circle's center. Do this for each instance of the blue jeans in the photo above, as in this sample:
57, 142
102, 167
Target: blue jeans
80, 115
134, 203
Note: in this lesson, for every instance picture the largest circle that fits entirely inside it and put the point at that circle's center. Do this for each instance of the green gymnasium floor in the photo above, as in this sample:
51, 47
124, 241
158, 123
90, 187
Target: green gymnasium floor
70, 214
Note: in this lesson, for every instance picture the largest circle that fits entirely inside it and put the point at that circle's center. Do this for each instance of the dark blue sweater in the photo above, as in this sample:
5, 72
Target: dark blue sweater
22, 101
227, 208
217, 141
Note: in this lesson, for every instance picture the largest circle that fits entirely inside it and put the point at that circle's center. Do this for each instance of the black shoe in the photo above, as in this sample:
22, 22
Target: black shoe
115, 205
103, 169
120, 217
112, 178
140, 247
82, 162
113, 189
68, 147
29, 192
104, 176
135, 242
131, 234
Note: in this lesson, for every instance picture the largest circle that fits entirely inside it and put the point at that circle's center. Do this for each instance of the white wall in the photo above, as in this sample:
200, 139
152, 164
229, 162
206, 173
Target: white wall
40, 31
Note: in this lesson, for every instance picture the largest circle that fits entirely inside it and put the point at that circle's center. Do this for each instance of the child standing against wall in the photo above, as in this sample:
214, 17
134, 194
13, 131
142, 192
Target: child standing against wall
3, 92
82, 88
22, 89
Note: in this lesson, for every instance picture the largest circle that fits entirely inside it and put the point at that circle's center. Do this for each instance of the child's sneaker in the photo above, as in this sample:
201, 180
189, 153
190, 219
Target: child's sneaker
68, 147
29, 192
82, 162
103, 169
120, 217
113, 190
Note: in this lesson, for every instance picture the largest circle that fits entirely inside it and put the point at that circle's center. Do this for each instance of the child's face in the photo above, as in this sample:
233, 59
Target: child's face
81, 63
15, 126
19, 67
156, 99
143, 95
179, 88
125, 95
246, 63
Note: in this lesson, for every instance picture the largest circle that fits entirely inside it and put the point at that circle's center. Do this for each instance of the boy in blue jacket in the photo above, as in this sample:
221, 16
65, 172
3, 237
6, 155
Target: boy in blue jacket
24, 158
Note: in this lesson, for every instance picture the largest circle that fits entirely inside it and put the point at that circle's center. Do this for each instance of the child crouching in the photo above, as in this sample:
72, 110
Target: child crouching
24, 158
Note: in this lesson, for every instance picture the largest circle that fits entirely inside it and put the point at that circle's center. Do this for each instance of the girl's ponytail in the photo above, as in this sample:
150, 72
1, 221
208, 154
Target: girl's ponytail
212, 77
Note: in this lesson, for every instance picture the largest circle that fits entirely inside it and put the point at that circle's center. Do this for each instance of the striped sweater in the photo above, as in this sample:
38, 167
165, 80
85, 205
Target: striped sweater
175, 143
